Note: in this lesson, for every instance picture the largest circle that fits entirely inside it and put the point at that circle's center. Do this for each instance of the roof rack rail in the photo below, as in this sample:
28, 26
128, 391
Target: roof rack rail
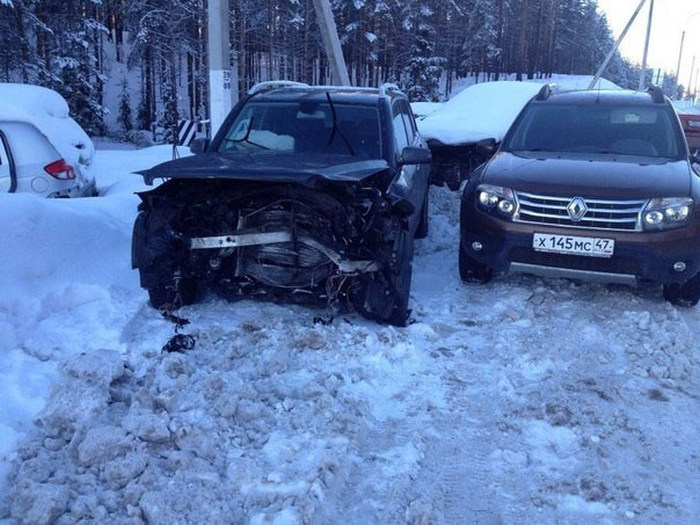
545, 92
274, 84
388, 86
657, 94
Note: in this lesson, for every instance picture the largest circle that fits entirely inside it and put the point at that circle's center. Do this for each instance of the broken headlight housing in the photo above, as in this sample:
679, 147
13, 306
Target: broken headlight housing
497, 200
667, 213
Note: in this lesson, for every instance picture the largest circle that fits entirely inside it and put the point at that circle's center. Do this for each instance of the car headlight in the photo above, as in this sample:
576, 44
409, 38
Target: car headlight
667, 213
497, 199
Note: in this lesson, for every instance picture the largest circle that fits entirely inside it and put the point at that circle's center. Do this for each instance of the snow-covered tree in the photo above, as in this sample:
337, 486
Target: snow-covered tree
423, 69
124, 117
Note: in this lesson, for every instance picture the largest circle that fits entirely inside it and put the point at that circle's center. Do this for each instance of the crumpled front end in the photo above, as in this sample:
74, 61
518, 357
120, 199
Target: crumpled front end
246, 239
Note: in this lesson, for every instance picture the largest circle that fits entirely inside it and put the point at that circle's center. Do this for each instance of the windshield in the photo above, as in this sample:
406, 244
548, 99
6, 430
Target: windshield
624, 130
305, 127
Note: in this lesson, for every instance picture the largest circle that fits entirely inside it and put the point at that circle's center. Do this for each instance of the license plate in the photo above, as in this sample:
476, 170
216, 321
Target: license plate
573, 245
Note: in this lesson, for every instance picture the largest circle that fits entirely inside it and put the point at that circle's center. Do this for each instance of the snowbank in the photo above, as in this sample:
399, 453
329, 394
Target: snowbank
686, 107
67, 284
48, 112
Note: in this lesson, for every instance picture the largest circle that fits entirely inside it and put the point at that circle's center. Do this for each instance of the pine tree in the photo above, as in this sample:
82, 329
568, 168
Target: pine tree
423, 70
124, 117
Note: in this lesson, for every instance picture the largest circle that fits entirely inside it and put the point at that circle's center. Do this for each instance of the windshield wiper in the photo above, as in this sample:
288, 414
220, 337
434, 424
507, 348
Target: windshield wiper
246, 137
336, 129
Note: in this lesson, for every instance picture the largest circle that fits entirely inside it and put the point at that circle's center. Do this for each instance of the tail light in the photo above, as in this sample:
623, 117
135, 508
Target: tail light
60, 170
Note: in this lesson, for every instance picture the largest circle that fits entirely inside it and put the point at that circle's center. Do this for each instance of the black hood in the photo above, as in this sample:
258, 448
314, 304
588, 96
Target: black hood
307, 170
595, 176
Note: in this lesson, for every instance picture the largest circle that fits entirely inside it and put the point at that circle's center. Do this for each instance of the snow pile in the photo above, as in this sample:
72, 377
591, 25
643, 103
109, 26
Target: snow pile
685, 107
48, 112
67, 285
257, 421
577, 82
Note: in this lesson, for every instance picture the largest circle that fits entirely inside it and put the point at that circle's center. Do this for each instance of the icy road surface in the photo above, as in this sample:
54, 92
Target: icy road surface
522, 401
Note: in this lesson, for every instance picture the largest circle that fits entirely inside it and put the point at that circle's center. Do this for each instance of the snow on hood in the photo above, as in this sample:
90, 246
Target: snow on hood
479, 112
486, 110
47, 111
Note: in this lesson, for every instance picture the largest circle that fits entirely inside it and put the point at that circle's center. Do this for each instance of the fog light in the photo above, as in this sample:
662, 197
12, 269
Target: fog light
477, 246
679, 266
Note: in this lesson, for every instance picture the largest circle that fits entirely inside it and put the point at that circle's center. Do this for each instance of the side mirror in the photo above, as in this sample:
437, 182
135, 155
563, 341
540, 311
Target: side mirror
486, 148
412, 155
199, 146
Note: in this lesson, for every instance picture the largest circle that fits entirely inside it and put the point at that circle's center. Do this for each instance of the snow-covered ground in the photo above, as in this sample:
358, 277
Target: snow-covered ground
521, 401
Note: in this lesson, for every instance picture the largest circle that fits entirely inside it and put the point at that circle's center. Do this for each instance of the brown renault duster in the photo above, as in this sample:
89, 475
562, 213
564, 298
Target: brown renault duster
594, 185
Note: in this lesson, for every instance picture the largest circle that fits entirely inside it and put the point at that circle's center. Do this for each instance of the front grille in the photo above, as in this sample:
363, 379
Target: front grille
618, 215
623, 265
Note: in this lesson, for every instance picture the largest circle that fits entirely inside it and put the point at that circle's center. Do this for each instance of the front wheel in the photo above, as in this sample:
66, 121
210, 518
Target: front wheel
683, 294
400, 278
384, 295
472, 271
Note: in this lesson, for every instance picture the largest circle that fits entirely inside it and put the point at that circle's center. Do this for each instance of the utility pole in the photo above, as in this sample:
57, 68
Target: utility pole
690, 79
220, 97
331, 42
678, 68
612, 52
643, 72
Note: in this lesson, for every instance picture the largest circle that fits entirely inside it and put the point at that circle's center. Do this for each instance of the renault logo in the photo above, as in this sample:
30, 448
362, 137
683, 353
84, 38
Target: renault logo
577, 208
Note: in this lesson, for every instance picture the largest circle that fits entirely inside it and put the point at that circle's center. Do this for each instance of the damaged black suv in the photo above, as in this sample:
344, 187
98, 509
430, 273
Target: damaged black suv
310, 194
596, 185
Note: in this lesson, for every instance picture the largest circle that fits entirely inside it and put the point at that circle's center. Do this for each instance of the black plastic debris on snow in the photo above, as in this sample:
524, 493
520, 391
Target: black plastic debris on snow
178, 342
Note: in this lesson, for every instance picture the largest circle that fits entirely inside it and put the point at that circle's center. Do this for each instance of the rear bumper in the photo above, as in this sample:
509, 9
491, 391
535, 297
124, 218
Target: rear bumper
647, 256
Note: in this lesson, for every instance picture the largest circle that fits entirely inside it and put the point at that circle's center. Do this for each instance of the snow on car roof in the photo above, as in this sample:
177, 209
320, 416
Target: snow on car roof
486, 110
48, 112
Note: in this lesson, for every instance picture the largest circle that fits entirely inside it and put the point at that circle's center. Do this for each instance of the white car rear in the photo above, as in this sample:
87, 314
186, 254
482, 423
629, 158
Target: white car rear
42, 150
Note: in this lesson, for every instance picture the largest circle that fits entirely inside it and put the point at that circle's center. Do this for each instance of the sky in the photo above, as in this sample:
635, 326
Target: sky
671, 18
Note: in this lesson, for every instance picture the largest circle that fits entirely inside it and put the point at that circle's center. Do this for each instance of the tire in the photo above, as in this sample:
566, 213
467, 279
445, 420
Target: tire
422, 230
400, 278
471, 271
685, 294
168, 297
384, 295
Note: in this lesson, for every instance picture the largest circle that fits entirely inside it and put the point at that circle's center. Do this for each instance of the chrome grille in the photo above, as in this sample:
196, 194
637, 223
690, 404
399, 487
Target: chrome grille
622, 215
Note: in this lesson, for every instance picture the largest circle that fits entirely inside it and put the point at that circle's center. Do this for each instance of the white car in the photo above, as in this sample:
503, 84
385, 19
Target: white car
42, 149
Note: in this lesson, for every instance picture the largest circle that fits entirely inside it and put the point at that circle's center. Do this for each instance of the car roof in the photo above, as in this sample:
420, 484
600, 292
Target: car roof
612, 97
341, 94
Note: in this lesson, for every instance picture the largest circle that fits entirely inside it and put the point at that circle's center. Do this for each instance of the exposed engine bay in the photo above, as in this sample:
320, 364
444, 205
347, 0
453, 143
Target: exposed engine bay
342, 246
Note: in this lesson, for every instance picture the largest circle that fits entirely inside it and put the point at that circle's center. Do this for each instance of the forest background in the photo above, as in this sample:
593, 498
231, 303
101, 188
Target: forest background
129, 65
